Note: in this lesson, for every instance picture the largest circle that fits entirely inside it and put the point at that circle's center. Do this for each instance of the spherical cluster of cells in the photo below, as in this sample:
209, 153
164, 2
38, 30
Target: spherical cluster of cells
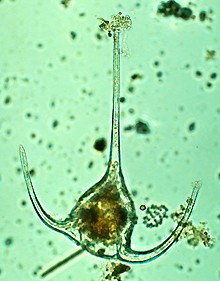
155, 215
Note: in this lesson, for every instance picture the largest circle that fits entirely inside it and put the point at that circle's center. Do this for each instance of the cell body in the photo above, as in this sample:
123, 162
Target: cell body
102, 214
103, 219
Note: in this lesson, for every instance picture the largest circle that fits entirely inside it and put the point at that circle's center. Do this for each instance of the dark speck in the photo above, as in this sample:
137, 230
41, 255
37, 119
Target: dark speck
18, 170
7, 100
33, 135
63, 58
131, 110
49, 145
23, 203
98, 36
55, 123
100, 144
198, 73
142, 128
134, 192
122, 99
39, 45
128, 128
130, 89
35, 272
192, 126
159, 74
82, 14
136, 76
156, 63
179, 266
90, 165
28, 115
209, 84
32, 172
8, 241
50, 243
73, 35
52, 104
213, 75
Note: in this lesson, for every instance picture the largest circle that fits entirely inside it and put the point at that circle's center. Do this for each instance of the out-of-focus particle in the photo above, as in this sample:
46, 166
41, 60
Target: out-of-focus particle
202, 16
65, 3
192, 126
142, 127
73, 35
210, 54
172, 8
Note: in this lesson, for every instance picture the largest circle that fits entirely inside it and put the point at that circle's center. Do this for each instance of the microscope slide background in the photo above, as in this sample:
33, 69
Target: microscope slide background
55, 99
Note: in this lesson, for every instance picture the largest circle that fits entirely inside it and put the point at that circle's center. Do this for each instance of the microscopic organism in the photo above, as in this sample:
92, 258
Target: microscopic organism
104, 217
155, 215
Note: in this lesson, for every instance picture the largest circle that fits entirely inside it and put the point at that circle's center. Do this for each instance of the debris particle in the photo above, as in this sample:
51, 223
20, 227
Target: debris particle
65, 3
159, 74
202, 16
23, 203
128, 128
55, 123
73, 35
142, 127
156, 63
193, 234
90, 165
98, 36
136, 76
7, 100
210, 54
131, 89
100, 144
114, 270
82, 14
179, 266
213, 75
8, 241
32, 172
172, 8
122, 99
39, 45
198, 73
192, 126
209, 85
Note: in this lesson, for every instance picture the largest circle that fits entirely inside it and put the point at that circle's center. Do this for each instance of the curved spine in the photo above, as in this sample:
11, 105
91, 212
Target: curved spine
128, 255
57, 225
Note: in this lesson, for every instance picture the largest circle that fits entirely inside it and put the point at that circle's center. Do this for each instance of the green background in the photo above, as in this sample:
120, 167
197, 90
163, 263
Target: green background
46, 75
